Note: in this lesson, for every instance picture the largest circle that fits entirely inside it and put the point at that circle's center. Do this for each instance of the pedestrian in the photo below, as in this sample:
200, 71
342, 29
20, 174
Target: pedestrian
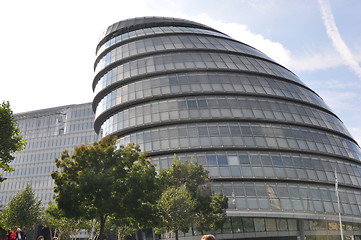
12, 234
41, 237
20, 234
208, 237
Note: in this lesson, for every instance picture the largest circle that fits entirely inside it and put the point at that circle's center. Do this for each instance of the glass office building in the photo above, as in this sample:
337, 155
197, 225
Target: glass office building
48, 133
270, 143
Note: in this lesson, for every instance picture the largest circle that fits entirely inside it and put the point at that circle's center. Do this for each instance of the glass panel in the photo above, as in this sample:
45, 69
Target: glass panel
235, 171
222, 160
259, 224
292, 225
227, 226
282, 224
233, 160
252, 203
241, 203
237, 225
248, 224
317, 225
212, 160
271, 225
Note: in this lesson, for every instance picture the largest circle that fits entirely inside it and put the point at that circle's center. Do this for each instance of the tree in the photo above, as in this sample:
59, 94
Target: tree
101, 180
209, 210
10, 138
191, 175
140, 196
176, 206
211, 215
60, 225
122, 227
23, 210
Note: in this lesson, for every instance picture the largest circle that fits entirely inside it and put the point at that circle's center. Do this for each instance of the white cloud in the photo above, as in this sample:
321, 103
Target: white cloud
309, 61
240, 32
318, 60
345, 100
336, 85
315, 61
334, 35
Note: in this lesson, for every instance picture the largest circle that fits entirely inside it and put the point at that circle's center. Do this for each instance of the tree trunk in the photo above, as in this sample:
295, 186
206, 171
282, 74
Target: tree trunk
102, 224
153, 233
136, 235
92, 231
176, 235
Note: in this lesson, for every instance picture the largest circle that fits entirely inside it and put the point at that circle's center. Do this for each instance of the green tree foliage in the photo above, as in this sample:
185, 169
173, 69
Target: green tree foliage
191, 175
122, 227
101, 180
23, 210
141, 194
60, 225
10, 138
211, 214
209, 211
176, 207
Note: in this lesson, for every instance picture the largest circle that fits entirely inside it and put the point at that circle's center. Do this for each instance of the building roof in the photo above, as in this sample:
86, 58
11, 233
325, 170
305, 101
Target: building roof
132, 24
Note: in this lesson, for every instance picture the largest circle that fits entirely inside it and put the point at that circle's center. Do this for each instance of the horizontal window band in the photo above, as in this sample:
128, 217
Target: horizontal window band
237, 148
119, 84
130, 130
164, 22
121, 43
281, 180
101, 118
185, 50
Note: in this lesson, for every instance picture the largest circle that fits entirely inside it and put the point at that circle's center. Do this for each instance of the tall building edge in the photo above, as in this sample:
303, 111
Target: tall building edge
270, 143
48, 132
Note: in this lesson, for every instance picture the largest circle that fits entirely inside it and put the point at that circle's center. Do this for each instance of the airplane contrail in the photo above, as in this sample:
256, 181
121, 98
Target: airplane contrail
337, 41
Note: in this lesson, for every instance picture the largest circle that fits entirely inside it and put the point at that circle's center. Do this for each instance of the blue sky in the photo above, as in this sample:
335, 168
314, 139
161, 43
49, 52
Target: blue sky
48, 47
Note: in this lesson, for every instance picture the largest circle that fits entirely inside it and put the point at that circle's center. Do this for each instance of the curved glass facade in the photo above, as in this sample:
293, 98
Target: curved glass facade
270, 143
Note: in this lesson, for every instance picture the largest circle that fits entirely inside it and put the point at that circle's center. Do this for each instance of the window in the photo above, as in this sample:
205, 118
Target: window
248, 224
233, 160
270, 225
259, 224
